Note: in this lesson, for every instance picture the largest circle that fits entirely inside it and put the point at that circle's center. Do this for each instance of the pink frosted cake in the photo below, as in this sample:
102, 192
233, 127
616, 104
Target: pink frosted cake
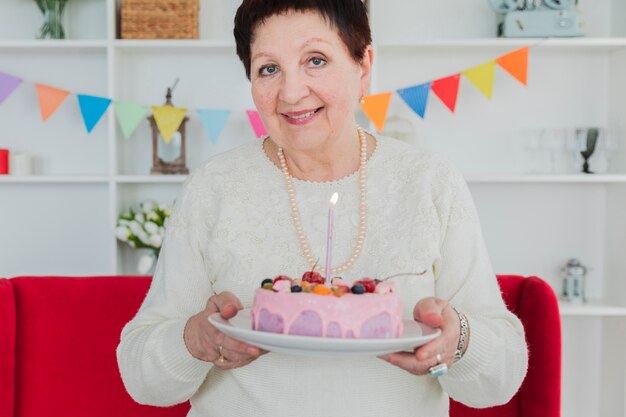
366, 309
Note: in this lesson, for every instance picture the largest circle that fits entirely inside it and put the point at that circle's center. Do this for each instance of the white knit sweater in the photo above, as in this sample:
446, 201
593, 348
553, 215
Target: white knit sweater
232, 227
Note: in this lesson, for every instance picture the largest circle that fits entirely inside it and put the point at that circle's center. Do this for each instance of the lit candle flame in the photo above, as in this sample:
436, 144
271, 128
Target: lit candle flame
334, 198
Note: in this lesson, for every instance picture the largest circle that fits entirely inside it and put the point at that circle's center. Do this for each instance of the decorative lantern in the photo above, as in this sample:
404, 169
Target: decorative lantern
168, 158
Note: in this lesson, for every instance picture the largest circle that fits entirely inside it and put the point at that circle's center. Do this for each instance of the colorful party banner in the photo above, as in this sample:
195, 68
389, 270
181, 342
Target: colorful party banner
129, 115
482, 76
8, 84
257, 123
416, 97
168, 119
375, 108
50, 98
92, 108
213, 122
516, 64
447, 89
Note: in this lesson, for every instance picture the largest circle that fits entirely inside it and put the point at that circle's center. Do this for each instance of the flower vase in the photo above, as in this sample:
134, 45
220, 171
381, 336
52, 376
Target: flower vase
52, 27
147, 264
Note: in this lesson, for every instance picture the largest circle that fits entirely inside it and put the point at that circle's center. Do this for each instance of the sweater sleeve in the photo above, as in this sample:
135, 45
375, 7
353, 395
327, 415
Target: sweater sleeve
155, 365
495, 362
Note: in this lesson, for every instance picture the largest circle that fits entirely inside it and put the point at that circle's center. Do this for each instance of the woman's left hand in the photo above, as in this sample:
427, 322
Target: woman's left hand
433, 312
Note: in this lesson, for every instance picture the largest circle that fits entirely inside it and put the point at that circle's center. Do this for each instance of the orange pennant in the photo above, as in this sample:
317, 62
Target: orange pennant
516, 64
50, 99
375, 108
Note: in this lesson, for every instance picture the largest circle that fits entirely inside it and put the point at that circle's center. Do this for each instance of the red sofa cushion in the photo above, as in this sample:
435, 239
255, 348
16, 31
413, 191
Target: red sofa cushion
68, 330
7, 348
534, 302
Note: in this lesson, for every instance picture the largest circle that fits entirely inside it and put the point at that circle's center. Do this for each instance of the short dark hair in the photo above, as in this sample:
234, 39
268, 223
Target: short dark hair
349, 17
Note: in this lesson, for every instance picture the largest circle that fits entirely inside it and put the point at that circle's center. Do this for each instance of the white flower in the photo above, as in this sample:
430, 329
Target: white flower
155, 241
122, 233
132, 243
163, 207
168, 211
151, 227
135, 228
123, 222
145, 263
143, 236
140, 218
152, 215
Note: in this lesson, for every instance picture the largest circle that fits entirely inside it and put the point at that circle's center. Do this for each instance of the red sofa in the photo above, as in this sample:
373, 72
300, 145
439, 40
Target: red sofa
58, 337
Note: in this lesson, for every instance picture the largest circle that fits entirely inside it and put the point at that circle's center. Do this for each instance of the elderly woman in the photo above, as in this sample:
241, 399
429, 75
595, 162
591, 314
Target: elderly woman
260, 211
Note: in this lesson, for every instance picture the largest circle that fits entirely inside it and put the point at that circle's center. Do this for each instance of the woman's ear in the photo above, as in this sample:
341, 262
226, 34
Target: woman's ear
366, 69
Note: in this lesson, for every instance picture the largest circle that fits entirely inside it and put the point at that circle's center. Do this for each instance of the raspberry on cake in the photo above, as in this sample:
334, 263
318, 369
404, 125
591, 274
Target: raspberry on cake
367, 309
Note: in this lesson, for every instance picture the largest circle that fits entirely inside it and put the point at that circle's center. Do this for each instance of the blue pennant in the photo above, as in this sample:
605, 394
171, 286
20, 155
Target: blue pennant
92, 108
416, 97
213, 122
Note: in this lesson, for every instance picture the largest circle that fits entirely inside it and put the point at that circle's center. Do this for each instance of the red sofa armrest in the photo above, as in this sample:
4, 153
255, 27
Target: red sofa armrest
7, 348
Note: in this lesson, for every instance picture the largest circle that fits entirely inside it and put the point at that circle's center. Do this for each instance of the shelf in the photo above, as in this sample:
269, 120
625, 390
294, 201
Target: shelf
590, 309
150, 179
52, 179
545, 178
174, 45
55, 45
583, 44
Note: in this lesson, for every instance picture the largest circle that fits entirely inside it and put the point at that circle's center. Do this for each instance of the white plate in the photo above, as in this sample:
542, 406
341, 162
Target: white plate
240, 327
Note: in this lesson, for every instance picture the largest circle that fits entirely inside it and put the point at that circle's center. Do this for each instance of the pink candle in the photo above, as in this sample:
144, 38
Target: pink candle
329, 239
4, 161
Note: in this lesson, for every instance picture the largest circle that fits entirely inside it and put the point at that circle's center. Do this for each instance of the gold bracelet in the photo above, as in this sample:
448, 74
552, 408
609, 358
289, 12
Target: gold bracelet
460, 347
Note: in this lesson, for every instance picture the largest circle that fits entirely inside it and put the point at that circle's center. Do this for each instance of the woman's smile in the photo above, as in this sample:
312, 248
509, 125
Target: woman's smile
302, 117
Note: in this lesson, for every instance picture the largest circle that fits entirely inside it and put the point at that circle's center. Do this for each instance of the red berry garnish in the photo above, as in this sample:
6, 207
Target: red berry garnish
313, 277
368, 283
282, 277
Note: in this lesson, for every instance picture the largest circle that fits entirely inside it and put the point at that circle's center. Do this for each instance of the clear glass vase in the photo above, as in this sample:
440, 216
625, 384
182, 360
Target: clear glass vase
52, 27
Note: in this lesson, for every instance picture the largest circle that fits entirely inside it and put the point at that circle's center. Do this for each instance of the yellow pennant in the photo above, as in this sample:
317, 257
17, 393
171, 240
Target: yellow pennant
168, 120
375, 108
482, 77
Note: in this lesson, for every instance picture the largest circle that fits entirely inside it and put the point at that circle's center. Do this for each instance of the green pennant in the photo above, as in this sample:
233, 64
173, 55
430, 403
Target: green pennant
129, 114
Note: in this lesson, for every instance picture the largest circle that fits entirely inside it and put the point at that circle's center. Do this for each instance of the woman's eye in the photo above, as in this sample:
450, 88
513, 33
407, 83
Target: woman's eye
317, 62
268, 70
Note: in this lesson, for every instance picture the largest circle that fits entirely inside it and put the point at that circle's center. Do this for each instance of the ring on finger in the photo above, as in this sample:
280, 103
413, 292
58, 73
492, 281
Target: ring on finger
221, 359
439, 369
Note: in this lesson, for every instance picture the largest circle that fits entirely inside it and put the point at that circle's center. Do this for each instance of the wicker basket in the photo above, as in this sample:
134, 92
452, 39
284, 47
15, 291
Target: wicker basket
159, 19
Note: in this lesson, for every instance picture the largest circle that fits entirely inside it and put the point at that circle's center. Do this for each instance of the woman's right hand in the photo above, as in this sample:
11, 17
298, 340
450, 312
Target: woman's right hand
205, 342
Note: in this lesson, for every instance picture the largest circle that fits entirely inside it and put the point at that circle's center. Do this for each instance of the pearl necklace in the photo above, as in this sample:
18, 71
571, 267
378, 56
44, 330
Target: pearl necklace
295, 214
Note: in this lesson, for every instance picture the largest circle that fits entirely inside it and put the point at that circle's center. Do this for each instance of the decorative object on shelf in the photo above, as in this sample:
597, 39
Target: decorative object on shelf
52, 27
537, 18
160, 19
21, 164
588, 146
144, 229
168, 137
574, 281
4, 161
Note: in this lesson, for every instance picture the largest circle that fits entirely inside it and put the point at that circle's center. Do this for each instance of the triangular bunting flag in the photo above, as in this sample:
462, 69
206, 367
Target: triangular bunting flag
8, 83
416, 97
50, 98
92, 108
168, 119
257, 123
375, 108
213, 122
129, 114
516, 64
447, 89
482, 77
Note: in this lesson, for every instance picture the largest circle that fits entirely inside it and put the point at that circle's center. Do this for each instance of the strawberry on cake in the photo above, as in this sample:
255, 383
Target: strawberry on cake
365, 309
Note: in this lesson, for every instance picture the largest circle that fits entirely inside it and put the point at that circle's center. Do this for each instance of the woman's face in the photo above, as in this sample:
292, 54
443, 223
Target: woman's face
305, 84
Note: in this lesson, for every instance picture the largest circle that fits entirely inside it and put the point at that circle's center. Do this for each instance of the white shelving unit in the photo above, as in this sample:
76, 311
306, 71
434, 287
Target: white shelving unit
61, 220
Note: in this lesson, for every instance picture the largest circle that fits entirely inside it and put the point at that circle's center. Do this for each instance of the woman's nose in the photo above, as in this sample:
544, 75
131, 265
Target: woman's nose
293, 87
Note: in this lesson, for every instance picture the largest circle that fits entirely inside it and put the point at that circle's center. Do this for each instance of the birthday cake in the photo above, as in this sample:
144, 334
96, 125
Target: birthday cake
365, 309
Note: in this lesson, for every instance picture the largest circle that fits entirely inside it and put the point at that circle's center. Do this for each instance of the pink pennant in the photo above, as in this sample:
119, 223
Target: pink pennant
256, 123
